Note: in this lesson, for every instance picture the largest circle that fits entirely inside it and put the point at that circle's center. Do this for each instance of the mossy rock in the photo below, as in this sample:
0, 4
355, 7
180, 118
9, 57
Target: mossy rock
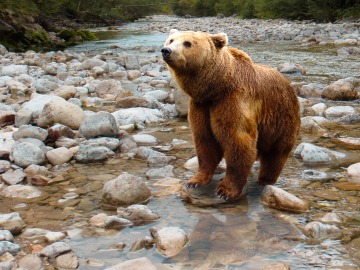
66, 34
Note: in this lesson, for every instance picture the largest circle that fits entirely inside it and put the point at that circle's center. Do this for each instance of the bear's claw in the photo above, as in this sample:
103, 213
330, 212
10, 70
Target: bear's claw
192, 185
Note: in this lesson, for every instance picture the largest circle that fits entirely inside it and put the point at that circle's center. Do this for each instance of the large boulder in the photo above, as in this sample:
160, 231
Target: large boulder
62, 112
126, 189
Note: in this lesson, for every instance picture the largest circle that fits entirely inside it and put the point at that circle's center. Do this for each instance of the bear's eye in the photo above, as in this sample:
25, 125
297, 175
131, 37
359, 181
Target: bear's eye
171, 41
187, 44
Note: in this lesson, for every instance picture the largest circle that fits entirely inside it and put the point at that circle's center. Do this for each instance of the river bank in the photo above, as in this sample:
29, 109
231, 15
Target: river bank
81, 130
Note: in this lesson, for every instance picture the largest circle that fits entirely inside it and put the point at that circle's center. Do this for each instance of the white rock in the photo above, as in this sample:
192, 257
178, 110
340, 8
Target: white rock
169, 240
331, 218
354, 172
59, 156
145, 139
37, 102
339, 111
14, 70
138, 116
278, 198
61, 112
319, 108
313, 154
21, 192
13, 177
320, 231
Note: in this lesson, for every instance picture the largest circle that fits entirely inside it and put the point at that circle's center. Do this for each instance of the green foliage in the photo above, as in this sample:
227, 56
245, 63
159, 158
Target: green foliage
319, 10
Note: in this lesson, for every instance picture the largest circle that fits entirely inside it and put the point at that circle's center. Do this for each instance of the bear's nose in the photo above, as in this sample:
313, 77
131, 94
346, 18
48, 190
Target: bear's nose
166, 52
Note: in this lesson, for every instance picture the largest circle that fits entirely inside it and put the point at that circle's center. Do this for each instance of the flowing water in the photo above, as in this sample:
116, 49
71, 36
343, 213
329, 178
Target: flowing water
241, 235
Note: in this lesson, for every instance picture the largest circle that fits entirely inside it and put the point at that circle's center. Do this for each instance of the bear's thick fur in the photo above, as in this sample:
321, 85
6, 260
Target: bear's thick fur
238, 110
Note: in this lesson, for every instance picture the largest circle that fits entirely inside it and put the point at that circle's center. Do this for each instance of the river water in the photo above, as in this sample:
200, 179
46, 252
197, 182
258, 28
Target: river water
241, 235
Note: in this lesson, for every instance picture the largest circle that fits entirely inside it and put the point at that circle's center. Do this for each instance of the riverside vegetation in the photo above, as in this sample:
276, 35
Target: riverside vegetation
94, 153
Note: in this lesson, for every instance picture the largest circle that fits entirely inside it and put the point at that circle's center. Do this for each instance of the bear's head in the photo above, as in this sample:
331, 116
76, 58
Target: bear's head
190, 51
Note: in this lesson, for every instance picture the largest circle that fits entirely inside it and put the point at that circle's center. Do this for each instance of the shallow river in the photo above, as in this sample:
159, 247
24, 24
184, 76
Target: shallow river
241, 235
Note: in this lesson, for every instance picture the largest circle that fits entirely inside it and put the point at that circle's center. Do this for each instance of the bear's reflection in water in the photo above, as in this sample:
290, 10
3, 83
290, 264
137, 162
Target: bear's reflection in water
235, 233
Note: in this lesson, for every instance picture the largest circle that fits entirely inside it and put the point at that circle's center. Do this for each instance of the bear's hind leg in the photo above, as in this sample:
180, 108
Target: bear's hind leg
271, 165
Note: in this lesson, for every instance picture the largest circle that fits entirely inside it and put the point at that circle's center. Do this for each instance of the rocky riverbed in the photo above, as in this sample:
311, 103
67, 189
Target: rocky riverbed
95, 148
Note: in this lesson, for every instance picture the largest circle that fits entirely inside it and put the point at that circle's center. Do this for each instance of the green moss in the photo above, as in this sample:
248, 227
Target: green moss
86, 34
66, 34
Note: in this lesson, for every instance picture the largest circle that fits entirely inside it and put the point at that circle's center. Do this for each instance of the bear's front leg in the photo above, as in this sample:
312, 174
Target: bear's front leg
207, 149
240, 155
236, 131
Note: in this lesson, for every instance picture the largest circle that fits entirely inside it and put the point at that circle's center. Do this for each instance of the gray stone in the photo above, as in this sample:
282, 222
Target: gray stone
25, 154
126, 189
68, 261
92, 153
6, 246
158, 173
55, 249
44, 86
28, 131
111, 143
99, 124
144, 139
20, 192
313, 154
4, 166
12, 222
6, 235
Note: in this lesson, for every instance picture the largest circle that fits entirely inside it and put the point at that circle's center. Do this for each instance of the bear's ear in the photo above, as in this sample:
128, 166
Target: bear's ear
220, 40
173, 31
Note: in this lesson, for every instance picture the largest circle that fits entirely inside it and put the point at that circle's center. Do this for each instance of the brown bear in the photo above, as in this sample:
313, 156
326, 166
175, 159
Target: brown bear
238, 110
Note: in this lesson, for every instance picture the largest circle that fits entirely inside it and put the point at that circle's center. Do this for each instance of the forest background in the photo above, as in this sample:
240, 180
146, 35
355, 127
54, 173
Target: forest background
49, 24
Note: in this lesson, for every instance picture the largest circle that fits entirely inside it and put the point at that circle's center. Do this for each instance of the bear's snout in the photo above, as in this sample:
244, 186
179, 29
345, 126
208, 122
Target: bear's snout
166, 52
